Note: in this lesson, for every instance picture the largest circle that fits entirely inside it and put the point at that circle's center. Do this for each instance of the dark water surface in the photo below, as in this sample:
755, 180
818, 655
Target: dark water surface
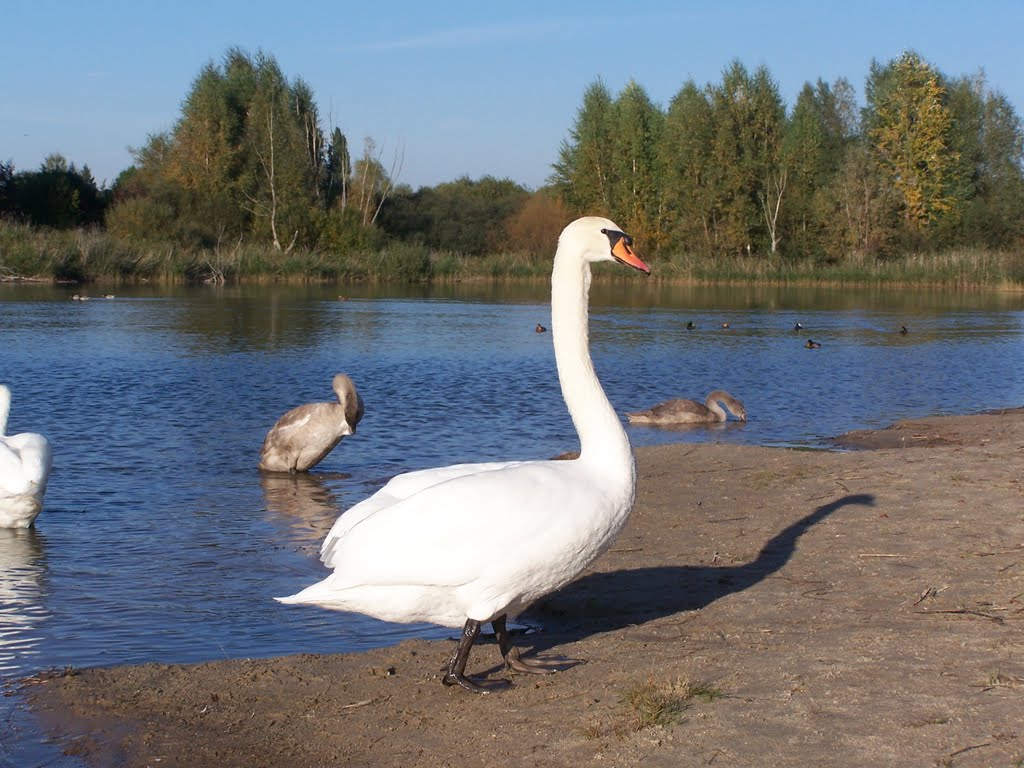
160, 541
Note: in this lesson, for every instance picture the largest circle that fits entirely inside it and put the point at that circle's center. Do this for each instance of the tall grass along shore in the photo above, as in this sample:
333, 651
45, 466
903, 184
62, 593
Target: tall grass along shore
94, 256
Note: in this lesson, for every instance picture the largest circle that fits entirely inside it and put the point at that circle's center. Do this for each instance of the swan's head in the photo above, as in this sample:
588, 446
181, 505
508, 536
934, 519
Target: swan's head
349, 398
599, 239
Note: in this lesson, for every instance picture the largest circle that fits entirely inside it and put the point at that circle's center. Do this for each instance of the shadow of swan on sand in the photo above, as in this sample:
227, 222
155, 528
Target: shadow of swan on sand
602, 602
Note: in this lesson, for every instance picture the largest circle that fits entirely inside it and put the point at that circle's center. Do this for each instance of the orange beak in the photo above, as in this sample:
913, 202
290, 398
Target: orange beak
627, 256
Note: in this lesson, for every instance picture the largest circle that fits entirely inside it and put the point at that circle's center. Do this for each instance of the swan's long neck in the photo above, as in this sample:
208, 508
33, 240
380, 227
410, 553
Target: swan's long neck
712, 405
602, 437
5, 408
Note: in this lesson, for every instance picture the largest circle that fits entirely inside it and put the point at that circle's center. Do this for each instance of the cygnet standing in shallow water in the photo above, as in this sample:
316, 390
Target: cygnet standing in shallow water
468, 544
25, 462
305, 435
680, 411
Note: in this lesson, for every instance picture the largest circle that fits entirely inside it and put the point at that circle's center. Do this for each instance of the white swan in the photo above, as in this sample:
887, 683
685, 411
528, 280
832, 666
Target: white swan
25, 462
305, 435
474, 543
680, 411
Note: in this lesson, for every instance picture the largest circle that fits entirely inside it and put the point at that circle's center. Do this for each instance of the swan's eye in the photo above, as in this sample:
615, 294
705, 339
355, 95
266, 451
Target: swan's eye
614, 236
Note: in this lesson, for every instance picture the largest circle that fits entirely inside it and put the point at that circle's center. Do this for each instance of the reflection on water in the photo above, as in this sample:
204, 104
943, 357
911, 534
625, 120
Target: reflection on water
238, 309
304, 501
22, 611
701, 430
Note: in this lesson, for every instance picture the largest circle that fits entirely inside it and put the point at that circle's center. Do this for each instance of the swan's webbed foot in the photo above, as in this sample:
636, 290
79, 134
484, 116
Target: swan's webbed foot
546, 665
475, 685
455, 673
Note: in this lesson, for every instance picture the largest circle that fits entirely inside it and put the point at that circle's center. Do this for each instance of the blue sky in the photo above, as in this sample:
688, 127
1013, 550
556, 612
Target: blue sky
465, 88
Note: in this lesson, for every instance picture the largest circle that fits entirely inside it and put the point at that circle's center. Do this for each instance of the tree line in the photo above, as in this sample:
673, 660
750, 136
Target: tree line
58, 195
929, 162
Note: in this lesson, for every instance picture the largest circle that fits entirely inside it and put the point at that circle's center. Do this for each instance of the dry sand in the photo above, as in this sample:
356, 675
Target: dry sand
764, 607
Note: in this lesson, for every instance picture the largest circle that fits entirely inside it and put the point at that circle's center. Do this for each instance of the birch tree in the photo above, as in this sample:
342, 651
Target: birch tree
371, 182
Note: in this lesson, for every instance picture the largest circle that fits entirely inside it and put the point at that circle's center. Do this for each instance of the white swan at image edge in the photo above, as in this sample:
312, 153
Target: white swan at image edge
473, 543
25, 463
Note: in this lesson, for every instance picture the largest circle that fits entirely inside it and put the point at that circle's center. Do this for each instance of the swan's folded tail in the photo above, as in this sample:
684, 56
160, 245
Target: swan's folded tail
314, 593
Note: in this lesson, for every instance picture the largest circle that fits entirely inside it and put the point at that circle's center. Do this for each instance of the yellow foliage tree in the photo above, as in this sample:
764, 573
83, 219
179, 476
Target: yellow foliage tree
909, 130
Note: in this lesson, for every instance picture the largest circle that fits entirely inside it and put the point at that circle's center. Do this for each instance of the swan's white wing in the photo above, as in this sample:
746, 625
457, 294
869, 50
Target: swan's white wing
400, 487
12, 474
421, 539
25, 462
521, 518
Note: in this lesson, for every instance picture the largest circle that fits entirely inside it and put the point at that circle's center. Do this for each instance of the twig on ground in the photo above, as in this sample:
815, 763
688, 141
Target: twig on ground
967, 612
877, 554
358, 704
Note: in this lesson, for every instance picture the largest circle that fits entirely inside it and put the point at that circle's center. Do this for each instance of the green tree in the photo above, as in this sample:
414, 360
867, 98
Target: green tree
637, 125
820, 129
771, 167
371, 182
7, 191
306, 113
750, 179
1001, 179
583, 174
148, 203
987, 139
245, 159
858, 207
804, 149
281, 185
687, 171
466, 216
58, 195
338, 171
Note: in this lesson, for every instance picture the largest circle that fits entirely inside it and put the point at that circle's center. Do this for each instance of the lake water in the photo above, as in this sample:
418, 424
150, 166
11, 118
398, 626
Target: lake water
160, 541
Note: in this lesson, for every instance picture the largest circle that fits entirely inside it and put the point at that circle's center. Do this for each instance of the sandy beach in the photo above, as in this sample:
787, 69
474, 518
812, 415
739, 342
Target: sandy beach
763, 607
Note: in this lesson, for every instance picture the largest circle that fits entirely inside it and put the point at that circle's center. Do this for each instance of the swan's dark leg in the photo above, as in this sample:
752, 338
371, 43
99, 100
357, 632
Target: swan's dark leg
456, 672
533, 666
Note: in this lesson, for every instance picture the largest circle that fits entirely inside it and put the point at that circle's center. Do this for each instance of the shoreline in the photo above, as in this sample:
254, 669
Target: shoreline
763, 606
